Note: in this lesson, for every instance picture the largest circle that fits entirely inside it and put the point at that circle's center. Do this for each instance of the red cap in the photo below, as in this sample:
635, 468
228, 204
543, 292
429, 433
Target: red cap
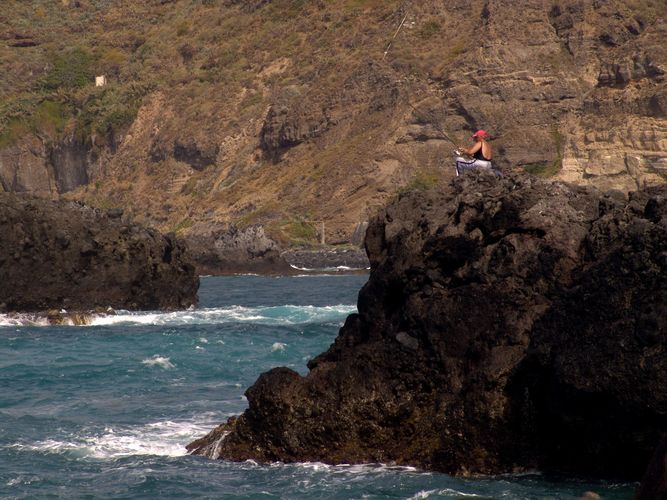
481, 133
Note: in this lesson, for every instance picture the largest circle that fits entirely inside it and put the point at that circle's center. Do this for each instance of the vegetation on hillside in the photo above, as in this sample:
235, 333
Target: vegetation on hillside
212, 59
197, 79
201, 46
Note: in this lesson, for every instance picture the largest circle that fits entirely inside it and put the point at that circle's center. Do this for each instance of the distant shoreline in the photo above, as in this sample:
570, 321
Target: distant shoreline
347, 260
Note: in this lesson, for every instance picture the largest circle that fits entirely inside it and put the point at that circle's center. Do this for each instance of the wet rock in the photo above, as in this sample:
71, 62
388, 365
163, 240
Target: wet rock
64, 255
62, 317
508, 324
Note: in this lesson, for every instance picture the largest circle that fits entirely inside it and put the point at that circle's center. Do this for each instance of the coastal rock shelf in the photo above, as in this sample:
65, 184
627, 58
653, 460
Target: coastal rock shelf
507, 325
65, 255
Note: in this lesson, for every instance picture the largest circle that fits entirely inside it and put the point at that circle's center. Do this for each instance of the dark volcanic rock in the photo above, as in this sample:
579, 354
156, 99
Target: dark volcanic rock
227, 249
507, 324
67, 255
654, 483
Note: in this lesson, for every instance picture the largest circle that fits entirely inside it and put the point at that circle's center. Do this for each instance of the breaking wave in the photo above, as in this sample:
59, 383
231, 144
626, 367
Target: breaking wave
265, 315
166, 438
330, 269
160, 361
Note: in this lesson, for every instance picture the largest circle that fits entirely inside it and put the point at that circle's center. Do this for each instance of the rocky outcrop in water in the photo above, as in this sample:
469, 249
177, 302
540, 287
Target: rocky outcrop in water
220, 249
65, 255
508, 324
227, 249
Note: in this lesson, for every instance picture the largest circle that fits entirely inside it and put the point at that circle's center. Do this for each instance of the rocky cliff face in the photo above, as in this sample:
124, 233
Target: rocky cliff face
67, 255
507, 324
257, 126
42, 167
576, 89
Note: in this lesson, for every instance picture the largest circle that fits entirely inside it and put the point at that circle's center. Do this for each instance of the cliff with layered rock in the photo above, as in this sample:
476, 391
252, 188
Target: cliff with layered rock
65, 255
285, 113
507, 325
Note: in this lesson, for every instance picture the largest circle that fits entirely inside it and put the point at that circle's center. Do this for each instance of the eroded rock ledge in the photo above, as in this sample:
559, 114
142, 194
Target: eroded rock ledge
66, 255
507, 325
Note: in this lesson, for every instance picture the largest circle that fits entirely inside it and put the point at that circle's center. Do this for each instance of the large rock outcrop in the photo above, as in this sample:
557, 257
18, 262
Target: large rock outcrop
67, 255
507, 324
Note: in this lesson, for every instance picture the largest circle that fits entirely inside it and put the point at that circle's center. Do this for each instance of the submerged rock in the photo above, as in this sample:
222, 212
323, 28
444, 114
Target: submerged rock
64, 255
508, 324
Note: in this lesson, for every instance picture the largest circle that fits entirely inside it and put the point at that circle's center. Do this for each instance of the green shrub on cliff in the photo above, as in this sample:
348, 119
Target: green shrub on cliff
300, 231
110, 108
12, 132
70, 70
51, 117
423, 181
46, 119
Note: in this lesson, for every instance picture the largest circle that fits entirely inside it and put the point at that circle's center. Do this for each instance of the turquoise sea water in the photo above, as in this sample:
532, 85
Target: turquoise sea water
104, 411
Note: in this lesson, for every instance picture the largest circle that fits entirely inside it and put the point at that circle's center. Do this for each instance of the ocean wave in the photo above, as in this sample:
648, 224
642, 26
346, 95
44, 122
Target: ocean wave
278, 346
363, 468
167, 438
23, 319
265, 315
446, 492
160, 361
330, 269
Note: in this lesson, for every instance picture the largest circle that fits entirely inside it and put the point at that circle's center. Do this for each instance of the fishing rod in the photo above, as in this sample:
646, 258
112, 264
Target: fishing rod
405, 8
444, 134
437, 125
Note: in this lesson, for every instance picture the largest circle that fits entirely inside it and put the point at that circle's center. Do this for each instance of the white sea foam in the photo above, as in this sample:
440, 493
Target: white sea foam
442, 492
423, 494
160, 361
23, 319
329, 269
349, 468
265, 315
278, 346
167, 438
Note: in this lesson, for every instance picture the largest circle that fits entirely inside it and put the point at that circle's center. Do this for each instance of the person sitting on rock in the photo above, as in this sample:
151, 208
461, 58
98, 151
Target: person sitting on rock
480, 155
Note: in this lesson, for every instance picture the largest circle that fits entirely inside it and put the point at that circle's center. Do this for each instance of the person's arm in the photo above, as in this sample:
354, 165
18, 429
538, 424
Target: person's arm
471, 151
